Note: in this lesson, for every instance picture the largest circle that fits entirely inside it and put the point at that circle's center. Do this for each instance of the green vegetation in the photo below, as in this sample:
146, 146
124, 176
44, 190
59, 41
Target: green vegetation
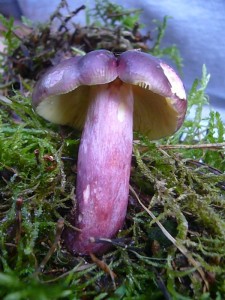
172, 245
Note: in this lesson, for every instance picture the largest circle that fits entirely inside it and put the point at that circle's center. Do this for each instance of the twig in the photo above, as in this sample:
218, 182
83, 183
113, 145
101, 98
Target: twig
200, 164
68, 18
59, 228
215, 171
126, 13
77, 268
162, 287
214, 146
6, 85
19, 203
37, 156
102, 265
182, 249
118, 242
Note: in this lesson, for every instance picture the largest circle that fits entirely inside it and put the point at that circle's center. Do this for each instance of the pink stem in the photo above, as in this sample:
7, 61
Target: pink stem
104, 166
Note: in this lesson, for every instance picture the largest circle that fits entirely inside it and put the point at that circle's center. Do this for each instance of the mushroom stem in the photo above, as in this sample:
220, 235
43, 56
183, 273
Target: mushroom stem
104, 162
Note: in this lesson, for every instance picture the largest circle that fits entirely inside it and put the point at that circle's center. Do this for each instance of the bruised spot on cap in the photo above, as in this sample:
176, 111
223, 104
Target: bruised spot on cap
175, 82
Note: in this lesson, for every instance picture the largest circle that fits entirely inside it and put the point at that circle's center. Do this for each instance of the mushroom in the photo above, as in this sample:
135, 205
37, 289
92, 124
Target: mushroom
108, 97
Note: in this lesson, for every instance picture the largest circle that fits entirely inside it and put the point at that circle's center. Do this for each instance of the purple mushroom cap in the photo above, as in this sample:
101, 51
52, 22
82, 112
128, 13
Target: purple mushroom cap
108, 97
